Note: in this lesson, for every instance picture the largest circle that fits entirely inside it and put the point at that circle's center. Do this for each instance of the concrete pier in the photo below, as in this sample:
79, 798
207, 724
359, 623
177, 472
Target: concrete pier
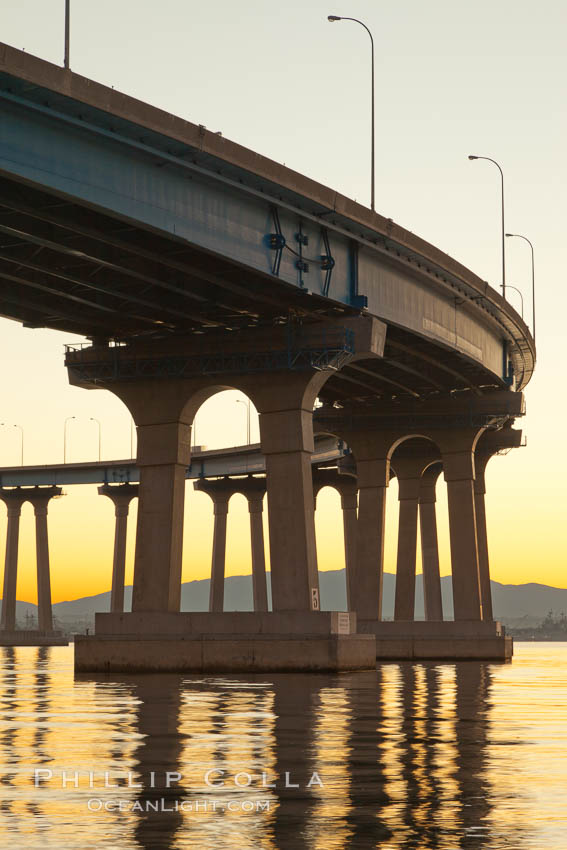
221, 490
286, 642
13, 501
44, 635
121, 495
429, 543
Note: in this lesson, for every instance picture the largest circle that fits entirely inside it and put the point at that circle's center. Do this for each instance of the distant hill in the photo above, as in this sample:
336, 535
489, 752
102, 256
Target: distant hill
514, 604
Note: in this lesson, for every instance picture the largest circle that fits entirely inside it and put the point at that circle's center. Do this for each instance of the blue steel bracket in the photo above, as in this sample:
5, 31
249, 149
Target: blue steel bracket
276, 242
359, 301
327, 262
300, 264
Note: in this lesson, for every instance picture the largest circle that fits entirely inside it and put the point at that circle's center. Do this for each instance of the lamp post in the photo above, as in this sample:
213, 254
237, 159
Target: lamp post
67, 26
488, 159
525, 238
331, 19
515, 288
68, 419
247, 404
21, 430
92, 419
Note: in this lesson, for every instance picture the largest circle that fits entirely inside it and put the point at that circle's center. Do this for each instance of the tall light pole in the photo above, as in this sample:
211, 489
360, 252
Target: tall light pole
68, 419
21, 430
92, 419
333, 18
247, 404
67, 29
525, 238
488, 159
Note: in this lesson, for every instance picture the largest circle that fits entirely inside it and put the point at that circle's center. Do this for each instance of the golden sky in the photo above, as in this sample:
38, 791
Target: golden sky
450, 83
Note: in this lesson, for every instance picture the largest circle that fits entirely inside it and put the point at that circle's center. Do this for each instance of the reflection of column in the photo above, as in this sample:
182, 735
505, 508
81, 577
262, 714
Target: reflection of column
429, 544
414, 812
157, 756
287, 444
295, 709
481, 461
121, 495
42, 694
404, 608
13, 500
216, 593
472, 729
259, 588
458, 468
366, 760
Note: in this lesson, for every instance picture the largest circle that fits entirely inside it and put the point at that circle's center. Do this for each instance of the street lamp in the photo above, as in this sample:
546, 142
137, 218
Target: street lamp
332, 19
22, 439
67, 27
65, 437
247, 403
525, 238
488, 159
515, 288
92, 419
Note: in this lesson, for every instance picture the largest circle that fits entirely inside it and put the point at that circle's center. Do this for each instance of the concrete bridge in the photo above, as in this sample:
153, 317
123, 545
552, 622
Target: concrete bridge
191, 265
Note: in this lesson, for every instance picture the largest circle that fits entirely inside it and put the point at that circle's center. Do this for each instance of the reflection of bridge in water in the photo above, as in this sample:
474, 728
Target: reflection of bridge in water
405, 759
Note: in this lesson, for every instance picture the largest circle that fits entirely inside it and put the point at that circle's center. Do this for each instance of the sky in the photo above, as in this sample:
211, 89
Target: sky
452, 79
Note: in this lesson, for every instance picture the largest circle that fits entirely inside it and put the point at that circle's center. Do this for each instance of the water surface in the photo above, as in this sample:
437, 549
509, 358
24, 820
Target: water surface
466, 755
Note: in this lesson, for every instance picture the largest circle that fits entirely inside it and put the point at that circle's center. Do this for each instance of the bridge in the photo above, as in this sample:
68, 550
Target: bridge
191, 264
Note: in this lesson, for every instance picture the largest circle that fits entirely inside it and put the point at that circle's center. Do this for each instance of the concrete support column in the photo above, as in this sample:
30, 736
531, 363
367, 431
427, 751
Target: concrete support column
44, 611
349, 504
287, 443
14, 503
366, 588
429, 544
121, 495
345, 484
458, 467
404, 606
481, 461
220, 490
163, 456
216, 592
259, 586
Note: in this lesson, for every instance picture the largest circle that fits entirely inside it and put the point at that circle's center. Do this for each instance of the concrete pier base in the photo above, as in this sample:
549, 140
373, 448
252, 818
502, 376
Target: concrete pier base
30, 637
451, 640
225, 653
231, 642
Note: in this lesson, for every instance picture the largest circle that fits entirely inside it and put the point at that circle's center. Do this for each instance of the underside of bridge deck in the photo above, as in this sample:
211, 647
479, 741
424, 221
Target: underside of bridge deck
67, 267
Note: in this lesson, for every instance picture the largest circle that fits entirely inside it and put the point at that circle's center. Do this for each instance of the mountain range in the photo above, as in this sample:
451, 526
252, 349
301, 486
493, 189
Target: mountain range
514, 604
